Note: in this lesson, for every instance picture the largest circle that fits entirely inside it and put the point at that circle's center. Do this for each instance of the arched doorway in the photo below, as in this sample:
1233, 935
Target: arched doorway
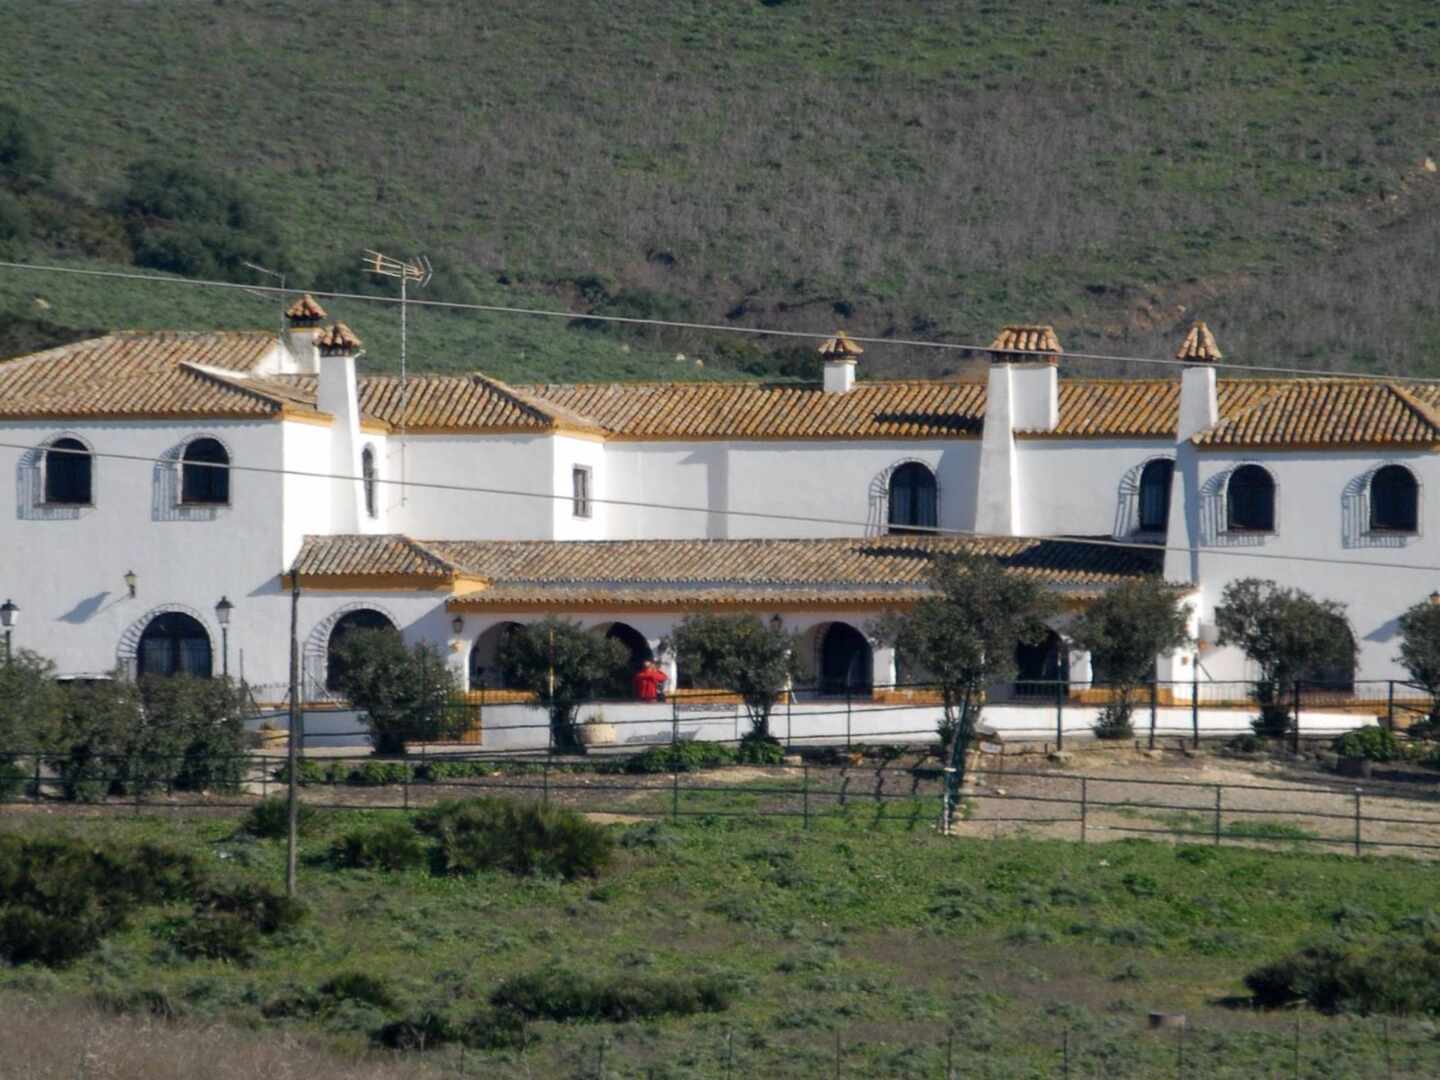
486, 671
845, 662
174, 644
622, 685
1040, 666
359, 619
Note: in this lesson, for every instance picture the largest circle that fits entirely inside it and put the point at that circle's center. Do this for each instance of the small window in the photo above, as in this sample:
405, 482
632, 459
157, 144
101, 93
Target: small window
67, 473
367, 475
205, 474
1155, 495
580, 499
1394, 500
912, 499
1250, 500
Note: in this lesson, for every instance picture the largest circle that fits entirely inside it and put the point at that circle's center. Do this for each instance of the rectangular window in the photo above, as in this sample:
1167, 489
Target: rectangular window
580, 499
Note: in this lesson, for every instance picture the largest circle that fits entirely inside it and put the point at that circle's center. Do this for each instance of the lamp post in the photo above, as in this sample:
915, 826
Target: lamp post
130, 580
222, 613
9, 612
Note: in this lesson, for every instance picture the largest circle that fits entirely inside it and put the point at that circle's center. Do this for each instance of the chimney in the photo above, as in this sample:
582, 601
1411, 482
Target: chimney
303, 316
337, 394
839, 354
1028, 357
1199, 408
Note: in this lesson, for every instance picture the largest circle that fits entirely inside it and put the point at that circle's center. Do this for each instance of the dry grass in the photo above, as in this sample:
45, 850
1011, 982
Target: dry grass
72, 1041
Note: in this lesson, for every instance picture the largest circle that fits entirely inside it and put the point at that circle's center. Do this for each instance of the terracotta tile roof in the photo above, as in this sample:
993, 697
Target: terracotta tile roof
1136, 408
356, 554
665, 572
155, 373
762, 410
1026, 339
839, 346
1316, 412
336, 339
1199, 345
305, 311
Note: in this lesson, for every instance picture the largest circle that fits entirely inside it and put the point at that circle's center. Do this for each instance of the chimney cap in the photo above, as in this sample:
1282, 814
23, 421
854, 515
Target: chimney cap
1199, 345
840, 347
1035, 340
304, 312
337, 340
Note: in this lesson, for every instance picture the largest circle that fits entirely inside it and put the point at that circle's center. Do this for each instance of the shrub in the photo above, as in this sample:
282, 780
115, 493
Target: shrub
218, 937
1400, 977
1371, 743
759, 749
680, 757
564, 995
12, 780
259, 905
523, 838
310, 771
270, 819
405, 693
378, 774
1246, 744
392, 846
437, 772
418, 1031
361, 987
1113, 723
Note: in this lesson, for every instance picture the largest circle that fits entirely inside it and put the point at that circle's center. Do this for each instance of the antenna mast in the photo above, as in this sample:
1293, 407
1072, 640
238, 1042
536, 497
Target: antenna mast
417, 270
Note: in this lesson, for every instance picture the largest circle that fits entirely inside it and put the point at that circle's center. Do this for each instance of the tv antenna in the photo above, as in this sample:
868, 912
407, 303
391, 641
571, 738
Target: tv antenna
263, 296
419, 271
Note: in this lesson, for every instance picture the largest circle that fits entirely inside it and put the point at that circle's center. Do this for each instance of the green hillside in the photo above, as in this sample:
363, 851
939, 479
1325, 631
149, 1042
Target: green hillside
916, 169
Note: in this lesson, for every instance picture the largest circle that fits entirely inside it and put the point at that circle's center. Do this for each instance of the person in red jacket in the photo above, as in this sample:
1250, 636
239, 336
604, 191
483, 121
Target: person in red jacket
649, 682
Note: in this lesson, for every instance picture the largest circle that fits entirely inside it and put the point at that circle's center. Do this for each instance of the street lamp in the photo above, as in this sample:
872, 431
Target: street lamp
458, 624
130, 580
222, 613
777, 623
9, 611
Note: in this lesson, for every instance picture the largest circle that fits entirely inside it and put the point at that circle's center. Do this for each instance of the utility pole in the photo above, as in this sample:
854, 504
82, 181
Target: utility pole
292, 754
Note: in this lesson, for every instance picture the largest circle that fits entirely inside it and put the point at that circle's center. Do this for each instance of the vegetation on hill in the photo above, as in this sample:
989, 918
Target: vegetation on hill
916, 171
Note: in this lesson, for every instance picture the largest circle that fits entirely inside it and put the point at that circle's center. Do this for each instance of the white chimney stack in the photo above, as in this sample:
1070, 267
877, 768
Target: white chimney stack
303, 317
1199, 407
840, 355
337, 394
1022, 393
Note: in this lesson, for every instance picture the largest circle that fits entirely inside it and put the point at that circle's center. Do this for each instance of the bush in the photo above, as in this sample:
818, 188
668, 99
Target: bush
1246, 744
378, 774
12, 780
1401, 977
1113, 723
437, 772
563, 995
258, 905
1272, 723
680, 757
358, 986
392, 846
60, 897
270, 819
758, 749
523, 838
427, 1028
311, 771
1370, 743
217, 937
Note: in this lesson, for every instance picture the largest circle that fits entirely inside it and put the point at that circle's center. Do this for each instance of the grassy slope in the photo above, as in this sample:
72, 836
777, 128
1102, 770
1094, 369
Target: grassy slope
931, 169
892, 937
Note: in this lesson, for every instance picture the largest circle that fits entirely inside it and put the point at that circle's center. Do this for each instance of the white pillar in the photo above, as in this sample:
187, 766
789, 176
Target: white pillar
1082, 670
882, 666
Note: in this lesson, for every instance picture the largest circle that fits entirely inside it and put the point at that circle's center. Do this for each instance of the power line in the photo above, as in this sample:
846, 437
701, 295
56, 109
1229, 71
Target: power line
764, 515
500, 309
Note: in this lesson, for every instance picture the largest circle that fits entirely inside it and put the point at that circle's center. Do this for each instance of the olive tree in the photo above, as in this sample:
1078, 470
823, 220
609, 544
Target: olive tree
1124, 630
1285, 632
964, 637
560, 662
1420, 652
404, 693
742, 654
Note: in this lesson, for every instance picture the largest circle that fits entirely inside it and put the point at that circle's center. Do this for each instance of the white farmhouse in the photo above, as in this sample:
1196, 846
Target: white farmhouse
155, 473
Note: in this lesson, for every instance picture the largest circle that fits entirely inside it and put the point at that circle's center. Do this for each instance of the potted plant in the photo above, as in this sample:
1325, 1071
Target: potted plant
594, 731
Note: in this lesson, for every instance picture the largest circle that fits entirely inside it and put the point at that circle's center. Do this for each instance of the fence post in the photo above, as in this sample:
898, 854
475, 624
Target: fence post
805, 792
847, 717
1390, 705
1154, 708
1084, 807
405, 783
674, 760
1218, 789
1195, 702
1357, 821
1295, 739
35, 791
1059, 715
545, 782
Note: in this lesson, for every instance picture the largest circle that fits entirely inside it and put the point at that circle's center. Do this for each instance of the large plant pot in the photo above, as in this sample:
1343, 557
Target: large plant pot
593, 734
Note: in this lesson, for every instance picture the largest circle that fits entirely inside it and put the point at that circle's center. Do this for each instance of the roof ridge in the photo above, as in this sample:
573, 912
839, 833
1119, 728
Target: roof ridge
537, 404
1426, 412
423, 549
232, 382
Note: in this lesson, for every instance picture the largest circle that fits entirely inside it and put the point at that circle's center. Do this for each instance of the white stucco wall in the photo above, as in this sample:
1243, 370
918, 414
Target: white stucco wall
1086, 487
566, 454
520, 463
675, 475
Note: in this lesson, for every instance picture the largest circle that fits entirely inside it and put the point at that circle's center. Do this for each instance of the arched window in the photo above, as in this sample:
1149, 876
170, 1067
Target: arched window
1250, 500
367, 475
486, 671
622, 682
912, 499
174, 644
351, 621
67, 473
845, 662
1394, 500
1155, 494
204, 474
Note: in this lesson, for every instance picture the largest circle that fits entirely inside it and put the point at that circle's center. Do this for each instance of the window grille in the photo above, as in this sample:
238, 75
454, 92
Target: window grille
580, 498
